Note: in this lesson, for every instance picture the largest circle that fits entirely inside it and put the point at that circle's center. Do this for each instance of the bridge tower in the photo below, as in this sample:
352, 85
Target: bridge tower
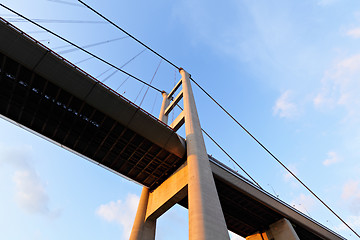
194, 179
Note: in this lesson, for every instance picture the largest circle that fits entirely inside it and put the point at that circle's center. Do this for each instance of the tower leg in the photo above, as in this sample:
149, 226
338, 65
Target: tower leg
283, 230
143, 230
206, 219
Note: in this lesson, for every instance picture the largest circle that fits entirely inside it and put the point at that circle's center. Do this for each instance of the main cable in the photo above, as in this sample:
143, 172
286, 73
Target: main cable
121, 29
38, 20
226, 153
288, 170
152, 79
227, 114
272, 155
84, 50
65, 2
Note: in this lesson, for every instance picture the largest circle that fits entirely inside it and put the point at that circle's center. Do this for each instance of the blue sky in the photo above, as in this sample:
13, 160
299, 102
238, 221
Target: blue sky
288, 70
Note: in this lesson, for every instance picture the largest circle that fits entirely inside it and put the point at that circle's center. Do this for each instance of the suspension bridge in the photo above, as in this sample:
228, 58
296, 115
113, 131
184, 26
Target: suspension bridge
51, 97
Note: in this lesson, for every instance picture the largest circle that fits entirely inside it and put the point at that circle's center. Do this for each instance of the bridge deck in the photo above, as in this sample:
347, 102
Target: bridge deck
45, 93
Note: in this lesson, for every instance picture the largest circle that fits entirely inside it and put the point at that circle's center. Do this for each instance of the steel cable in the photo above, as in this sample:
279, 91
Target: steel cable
84, 50
112, 23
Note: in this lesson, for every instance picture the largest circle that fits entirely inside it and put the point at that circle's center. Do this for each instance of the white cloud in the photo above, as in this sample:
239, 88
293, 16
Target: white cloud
30, 191
350, 189
341, 88
333, 158
122, 213
304, 203
352, 221
284, 107
287, 175
15, 156
351, 195
354, 33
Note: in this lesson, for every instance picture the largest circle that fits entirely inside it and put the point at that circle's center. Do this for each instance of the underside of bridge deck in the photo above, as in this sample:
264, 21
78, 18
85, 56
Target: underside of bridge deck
245, 215
53, 98
31, 100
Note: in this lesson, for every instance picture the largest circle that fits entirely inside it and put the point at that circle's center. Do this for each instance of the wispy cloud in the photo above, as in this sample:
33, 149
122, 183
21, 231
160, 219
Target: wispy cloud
333, 158
30, 190
350, 189
354, 33
287, 176
120, 212
284, 106
352, 221
304, 203
341, 88
351, 195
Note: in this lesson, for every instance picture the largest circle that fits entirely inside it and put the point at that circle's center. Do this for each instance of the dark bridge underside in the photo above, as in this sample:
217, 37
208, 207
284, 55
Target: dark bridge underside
245, 215
48, 95
31, 100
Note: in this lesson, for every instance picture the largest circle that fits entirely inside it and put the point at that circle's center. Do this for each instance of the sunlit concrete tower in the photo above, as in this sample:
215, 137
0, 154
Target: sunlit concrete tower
46, 94
194, 179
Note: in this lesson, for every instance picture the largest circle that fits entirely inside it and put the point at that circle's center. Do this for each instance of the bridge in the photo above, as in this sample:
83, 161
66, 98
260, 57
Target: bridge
50, 96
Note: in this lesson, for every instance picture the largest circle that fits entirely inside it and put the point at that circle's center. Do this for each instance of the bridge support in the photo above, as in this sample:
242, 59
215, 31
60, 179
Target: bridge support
144, 229
194, 179
206, 219
280, 230
283, 230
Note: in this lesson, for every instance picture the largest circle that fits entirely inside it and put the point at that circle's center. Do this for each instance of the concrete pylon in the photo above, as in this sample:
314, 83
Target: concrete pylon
280, 230
144, 229
193, 179
283, 230
206, 219
164, 105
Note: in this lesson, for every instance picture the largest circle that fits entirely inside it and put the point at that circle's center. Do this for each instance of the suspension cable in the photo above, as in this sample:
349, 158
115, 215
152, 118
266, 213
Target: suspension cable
227, 154
104, 72
84, 50
39, 20
112, 23
273, 156
150, 82
84, 60
88, 45
122, 83
121, 66
229, 116
288, 170
66, 2
112, 74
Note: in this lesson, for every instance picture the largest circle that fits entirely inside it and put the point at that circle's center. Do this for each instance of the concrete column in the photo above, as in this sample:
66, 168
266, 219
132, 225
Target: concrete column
283, 230
164, 105
145, 230
142, 230
206, 219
